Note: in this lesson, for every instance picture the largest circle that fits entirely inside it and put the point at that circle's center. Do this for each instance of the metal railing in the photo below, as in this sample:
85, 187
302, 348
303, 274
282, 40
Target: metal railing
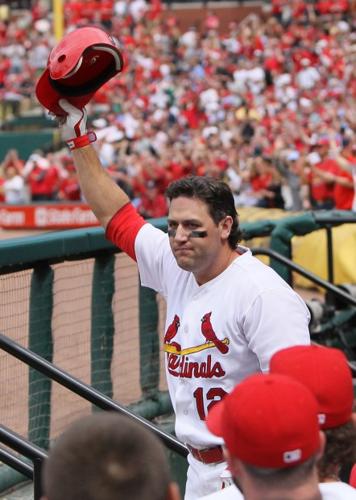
15, 462
307, 274
35, 453
84, 390
336, 291
327, 222
28, 450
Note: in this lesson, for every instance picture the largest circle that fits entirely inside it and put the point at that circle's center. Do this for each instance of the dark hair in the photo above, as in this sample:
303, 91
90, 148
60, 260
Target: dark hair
215, 194
106, 456
340, 449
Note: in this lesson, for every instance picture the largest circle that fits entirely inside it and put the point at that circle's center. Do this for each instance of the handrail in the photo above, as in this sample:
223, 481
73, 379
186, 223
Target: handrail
20, 444
328, 222
84, 390
307, 274
16, 463
337, 217
36, 454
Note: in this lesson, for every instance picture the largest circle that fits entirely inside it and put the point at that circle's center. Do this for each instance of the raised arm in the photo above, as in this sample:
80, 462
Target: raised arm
103, 195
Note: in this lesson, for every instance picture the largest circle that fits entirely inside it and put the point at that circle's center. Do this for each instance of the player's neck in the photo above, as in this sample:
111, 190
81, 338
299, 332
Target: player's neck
307, 489
221, 263
304, 492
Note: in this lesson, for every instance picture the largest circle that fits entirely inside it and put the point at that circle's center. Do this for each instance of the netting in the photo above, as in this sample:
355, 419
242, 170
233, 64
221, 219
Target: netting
71, 334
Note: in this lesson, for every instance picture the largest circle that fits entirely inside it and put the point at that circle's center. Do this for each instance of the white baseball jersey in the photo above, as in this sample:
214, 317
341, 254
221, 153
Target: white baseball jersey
230, 493
337, 490
329, 491
220, 332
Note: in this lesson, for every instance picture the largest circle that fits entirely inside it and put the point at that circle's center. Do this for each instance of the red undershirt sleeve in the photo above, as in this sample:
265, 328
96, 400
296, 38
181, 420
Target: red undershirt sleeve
123, 227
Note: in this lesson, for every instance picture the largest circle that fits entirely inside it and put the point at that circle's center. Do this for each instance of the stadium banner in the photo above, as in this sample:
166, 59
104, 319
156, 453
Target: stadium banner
49, 216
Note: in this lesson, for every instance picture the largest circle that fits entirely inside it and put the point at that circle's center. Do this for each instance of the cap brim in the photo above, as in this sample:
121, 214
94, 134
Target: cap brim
214, 421
49, 97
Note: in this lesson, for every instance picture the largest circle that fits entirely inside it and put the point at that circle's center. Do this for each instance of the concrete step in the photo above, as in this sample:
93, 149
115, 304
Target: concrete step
25, 492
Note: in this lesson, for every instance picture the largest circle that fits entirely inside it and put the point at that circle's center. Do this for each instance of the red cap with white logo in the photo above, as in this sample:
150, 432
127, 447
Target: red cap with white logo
268, 421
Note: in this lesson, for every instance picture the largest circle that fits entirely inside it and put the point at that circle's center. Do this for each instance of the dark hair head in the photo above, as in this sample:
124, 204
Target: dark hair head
106, 456
215, 194
340, 450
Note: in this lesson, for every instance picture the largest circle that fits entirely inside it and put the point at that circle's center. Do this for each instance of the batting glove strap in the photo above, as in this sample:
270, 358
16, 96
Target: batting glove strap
83, 140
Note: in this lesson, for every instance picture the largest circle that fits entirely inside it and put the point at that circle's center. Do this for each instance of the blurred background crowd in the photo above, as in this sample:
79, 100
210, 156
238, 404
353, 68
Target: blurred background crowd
266, 103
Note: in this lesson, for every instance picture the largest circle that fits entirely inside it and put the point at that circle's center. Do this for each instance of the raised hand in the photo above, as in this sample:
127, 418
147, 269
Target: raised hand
74, 126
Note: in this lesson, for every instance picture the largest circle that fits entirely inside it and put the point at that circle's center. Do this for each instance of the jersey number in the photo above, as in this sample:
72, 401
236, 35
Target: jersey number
215, 394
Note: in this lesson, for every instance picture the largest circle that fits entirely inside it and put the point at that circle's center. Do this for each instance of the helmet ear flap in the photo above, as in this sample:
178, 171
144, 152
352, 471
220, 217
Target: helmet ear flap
78, 66
117, 57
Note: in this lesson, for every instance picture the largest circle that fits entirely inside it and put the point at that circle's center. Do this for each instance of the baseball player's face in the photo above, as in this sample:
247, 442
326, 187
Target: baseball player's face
198, 244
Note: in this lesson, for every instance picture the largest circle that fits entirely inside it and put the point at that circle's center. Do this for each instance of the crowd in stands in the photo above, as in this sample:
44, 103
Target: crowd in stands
267, 103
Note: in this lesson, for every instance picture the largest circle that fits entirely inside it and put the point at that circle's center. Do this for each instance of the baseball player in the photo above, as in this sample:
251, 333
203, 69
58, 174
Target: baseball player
325, 371
227, 312
272, 440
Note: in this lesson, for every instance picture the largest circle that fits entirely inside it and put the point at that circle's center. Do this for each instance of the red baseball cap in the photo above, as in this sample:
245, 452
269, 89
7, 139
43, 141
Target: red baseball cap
268, 421
77, 67
324, 370
323, 141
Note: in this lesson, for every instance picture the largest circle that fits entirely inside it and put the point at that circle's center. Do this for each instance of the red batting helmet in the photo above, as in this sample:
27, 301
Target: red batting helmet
77, 67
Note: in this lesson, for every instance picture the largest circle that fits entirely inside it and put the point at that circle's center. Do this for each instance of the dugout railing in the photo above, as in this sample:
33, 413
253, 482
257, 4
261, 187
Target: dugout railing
36, 454
338, 327
25, 449
40, 253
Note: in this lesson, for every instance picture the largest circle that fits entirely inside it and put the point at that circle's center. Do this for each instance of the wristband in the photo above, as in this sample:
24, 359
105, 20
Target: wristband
81, 141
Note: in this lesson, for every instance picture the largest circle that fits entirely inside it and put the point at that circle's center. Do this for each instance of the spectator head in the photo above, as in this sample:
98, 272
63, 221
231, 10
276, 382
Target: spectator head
11, 171
152, 190
107, 456
348, 144
325, 371
269, 424
216, 194
313, 158
151, 184
293, 155
323, 145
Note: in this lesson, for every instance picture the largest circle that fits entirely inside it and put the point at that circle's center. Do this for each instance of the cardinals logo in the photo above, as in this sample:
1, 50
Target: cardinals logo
179, 363
171, 332
208, 332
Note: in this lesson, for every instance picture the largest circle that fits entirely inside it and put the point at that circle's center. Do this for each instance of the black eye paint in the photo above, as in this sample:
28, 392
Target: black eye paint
198, 234
192, 234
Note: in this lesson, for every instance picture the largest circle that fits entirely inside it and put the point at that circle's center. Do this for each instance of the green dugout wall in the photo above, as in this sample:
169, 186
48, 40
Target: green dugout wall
25, 142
